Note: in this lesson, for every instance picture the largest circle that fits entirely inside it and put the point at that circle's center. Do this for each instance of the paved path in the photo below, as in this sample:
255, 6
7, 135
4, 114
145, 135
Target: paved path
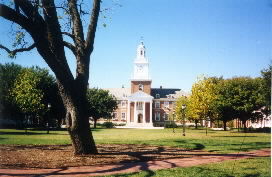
198, 159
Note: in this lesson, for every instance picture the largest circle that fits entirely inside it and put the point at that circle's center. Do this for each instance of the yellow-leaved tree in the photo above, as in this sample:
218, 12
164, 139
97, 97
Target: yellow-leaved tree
201, 102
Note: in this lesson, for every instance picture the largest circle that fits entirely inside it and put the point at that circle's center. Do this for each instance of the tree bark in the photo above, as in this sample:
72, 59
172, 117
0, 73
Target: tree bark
77, 119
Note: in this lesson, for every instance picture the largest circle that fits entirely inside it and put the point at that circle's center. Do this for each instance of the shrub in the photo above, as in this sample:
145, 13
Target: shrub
264, 129
158, 124
108, 124
170, 125
121, 124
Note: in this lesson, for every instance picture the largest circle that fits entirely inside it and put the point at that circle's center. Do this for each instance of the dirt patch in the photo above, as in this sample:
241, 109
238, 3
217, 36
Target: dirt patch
58, 156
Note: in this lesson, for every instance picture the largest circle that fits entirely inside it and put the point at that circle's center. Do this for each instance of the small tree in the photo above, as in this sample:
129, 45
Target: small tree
202, 99
27, 95
100, 104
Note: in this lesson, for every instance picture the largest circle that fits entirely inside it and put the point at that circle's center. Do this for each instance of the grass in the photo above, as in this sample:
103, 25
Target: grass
253, 167
216, 141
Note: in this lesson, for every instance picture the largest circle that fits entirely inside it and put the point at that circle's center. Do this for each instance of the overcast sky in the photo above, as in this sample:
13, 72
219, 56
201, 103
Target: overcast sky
183, 39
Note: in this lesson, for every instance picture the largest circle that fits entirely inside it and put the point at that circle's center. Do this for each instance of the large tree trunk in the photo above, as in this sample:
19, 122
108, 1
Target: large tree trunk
77, 120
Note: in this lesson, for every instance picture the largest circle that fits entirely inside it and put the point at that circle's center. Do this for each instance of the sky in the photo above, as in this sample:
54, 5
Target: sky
184, 39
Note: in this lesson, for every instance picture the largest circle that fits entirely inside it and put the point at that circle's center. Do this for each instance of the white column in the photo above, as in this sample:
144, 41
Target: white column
135, 115
128, 112
144, 121
150, 111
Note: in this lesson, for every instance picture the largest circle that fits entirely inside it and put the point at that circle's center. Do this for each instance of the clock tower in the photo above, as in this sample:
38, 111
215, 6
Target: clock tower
141, 80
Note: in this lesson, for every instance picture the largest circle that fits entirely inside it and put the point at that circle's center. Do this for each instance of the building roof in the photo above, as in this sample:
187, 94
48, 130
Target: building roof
167, 92
119, 93
124, 93
140, 94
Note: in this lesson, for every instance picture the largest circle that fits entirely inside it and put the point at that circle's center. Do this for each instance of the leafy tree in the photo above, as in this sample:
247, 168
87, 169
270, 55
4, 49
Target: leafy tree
27, 95
245, 97
266, 89
183, 100
8, 75
224, 101
41, 20
101, 104
201, 104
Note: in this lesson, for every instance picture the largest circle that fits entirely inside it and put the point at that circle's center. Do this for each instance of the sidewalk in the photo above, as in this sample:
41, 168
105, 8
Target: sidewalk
198, 159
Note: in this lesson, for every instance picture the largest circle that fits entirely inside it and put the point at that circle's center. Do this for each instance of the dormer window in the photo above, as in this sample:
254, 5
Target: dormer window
158, 96
141, 87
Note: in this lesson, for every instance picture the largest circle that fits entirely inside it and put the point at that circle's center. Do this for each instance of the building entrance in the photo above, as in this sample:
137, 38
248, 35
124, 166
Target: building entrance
140, 118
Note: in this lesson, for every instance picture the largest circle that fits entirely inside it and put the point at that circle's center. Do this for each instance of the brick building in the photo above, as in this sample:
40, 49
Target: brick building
141, 105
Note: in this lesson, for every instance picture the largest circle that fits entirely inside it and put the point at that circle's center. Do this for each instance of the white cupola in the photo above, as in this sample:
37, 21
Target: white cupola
141, 51
141, 65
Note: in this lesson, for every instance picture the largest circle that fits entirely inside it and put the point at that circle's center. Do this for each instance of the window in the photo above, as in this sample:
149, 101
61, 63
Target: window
165, 116
114, 115
158, 96
166, 104
141, 87
123, 116
157, 104
157, 116
123, 104
141, 52
139, 106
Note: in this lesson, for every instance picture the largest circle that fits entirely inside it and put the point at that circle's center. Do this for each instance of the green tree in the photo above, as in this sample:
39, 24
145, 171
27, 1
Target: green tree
266, 89
245, 97
101, 104
8, 75
41, 21
224, 101
27, 95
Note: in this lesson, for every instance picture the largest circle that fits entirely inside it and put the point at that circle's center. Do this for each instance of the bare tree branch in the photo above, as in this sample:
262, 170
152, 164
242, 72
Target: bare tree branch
68, 34
15, 51
77, 26
92, 27
70, 46
11, 15
29, 10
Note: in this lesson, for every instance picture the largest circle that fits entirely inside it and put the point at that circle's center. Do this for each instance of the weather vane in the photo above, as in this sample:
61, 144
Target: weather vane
142, 39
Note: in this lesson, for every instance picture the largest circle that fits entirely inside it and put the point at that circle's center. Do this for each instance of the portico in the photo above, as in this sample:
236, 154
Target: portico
140, 110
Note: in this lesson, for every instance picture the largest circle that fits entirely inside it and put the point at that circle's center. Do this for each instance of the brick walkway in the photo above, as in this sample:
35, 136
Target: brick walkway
198, 159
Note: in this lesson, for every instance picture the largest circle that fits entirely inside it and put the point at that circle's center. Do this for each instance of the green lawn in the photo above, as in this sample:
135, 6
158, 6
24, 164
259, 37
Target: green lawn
254, 167
216, 141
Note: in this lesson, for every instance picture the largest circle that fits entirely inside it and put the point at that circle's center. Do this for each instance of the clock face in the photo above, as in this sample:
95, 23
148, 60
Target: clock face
140, 68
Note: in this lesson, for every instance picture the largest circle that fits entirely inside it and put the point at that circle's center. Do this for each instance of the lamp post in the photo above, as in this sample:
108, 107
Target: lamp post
183, 107
47, 124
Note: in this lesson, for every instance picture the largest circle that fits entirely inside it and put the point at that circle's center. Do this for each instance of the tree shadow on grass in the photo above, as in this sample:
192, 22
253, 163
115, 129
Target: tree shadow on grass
142, 162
